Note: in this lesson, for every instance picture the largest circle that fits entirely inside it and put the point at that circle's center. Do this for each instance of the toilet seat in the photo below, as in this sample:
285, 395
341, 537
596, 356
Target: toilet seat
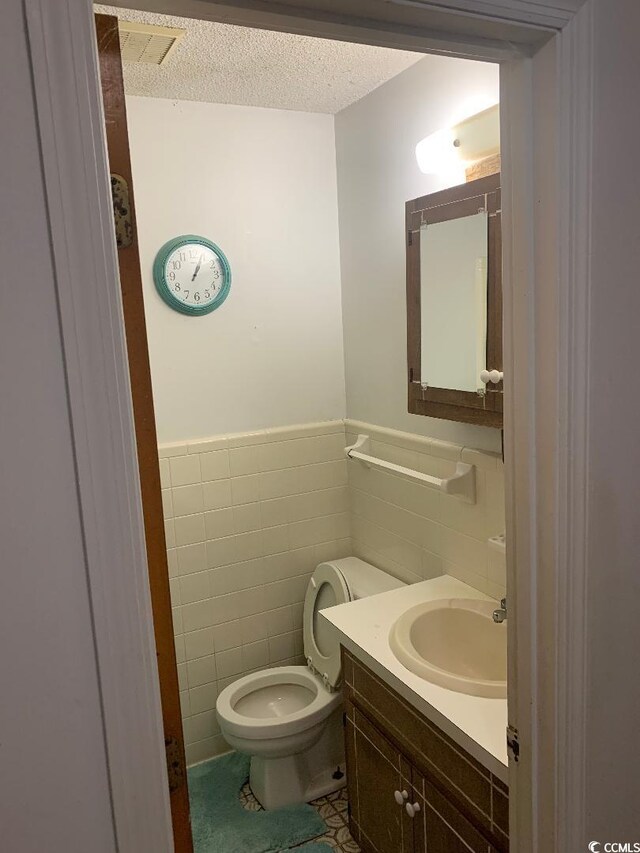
309, 713
327, 588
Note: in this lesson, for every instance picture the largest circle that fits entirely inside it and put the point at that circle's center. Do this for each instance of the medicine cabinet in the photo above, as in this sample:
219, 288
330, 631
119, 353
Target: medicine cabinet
454, 303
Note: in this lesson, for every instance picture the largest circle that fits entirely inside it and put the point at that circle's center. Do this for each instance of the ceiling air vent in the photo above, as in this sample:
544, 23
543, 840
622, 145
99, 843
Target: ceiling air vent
147, 43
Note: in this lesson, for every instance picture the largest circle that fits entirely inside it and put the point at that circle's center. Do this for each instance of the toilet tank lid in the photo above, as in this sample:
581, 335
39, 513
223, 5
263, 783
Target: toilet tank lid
362, 578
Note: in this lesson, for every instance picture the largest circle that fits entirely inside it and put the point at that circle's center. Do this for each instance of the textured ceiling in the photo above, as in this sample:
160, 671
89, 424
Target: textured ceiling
226, 64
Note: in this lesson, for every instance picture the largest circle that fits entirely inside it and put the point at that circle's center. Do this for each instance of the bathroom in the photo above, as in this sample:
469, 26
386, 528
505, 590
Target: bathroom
296, 158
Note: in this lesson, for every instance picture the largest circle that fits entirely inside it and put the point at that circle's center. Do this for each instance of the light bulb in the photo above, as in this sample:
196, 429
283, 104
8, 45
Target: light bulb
437, 153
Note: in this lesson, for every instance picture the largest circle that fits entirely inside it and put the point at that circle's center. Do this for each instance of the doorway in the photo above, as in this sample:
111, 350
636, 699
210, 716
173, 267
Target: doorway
226, 172
521, 81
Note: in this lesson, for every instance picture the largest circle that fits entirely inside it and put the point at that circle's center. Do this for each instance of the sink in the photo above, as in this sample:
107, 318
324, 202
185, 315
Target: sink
455, 643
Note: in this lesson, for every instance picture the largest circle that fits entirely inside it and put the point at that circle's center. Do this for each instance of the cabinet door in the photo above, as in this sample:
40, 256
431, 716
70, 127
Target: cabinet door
440, 827
454, 302
377, 774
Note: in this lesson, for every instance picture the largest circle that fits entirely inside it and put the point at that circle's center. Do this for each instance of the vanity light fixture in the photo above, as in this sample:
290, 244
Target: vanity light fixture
438, 153
454, 149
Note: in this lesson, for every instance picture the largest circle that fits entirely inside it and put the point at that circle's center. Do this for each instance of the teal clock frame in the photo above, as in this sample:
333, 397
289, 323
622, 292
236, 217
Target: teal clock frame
162, 286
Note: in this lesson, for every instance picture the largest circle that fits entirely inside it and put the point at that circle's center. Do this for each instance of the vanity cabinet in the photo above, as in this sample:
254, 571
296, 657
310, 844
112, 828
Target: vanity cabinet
411, 788
383, 777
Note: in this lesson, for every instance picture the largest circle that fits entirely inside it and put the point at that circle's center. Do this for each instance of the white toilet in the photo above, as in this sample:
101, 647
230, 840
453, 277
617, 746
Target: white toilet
289, 718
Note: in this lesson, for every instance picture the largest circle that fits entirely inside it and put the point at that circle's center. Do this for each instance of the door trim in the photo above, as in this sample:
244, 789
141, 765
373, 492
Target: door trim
545, 454
114, 108
574, 381
427, 27
71, 128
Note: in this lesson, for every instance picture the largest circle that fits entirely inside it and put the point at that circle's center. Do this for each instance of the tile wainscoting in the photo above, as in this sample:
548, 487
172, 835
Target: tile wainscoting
249, 516
415, 532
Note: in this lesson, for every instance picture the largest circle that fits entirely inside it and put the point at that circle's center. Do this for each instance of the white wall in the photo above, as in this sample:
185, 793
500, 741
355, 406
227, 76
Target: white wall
377, 174
261, 184
54, 788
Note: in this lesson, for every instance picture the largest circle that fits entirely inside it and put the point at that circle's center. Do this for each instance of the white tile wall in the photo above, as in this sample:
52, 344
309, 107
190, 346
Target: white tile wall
248, 517
415, 532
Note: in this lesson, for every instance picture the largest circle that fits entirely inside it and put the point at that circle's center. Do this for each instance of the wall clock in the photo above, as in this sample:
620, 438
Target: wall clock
192, 275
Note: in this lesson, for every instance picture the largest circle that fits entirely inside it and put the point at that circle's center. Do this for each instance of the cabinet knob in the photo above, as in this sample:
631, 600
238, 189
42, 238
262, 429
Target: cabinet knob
401, 797
412, 809
493, 376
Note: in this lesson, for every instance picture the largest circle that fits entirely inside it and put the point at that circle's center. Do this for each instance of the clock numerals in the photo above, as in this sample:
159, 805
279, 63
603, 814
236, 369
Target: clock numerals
193, 276
181, 273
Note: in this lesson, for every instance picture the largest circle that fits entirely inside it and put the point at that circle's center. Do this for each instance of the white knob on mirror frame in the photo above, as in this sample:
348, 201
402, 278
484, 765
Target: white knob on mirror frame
493, 376
400, 797
412, 809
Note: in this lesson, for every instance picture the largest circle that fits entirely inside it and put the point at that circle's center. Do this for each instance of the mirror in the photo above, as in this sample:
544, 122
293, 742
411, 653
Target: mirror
454, 303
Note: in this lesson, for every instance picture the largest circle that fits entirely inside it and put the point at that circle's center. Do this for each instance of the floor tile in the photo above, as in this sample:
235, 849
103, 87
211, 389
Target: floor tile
332, 809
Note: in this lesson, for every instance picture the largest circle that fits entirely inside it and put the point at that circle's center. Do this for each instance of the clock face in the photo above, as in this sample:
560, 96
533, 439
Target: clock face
192, 275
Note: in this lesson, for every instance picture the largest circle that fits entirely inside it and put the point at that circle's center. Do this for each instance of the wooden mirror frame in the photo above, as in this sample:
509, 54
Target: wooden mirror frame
453, 203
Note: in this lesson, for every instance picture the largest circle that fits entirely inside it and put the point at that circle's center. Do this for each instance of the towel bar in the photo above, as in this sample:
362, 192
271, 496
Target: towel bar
462, 483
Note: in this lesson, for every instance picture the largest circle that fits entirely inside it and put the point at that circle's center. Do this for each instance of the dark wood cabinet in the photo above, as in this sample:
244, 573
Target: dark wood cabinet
411, 788
383, 775
443, 827
428, 394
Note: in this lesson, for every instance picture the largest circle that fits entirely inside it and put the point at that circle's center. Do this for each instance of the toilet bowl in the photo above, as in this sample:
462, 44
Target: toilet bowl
277, 711
289, 718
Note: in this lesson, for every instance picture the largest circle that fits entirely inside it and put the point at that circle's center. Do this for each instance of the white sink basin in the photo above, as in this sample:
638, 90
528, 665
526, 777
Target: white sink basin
455, 643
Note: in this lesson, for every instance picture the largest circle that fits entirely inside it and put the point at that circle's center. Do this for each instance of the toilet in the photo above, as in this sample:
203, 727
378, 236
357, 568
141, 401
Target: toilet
289, 718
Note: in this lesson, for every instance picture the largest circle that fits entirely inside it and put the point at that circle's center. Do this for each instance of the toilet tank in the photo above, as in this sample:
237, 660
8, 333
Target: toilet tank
362, 578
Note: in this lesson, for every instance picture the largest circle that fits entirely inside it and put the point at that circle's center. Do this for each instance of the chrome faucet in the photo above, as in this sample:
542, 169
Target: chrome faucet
501, 614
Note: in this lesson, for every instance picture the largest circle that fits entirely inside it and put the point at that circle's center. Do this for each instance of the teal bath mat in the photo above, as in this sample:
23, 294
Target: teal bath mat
221, 825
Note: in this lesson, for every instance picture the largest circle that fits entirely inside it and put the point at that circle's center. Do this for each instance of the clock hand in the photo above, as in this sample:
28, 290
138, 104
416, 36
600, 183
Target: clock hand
193, 277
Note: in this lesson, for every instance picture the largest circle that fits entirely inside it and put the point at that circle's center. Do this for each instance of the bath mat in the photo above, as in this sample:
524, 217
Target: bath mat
221, 825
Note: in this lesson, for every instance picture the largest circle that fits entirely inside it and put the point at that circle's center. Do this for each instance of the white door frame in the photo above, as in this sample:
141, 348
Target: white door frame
546, 126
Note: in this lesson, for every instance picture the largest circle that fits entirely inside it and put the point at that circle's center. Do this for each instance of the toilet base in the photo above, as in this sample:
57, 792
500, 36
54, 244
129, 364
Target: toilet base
305, 776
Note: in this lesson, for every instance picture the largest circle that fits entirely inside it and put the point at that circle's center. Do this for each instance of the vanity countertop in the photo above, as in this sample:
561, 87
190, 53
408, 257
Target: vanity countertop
475, 723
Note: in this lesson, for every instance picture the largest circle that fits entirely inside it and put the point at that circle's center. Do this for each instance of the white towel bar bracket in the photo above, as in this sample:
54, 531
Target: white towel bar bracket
462, 482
